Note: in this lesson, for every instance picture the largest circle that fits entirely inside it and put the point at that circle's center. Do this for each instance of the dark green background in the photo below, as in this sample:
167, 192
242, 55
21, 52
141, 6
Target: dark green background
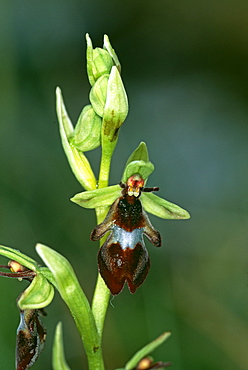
185, 66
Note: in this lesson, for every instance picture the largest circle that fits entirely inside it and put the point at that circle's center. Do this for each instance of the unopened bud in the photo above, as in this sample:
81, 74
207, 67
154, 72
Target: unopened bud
98, 94
116, 107
87, 133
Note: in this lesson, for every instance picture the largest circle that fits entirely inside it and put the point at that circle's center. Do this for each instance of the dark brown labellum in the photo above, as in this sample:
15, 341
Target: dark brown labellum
124, 257
31, 336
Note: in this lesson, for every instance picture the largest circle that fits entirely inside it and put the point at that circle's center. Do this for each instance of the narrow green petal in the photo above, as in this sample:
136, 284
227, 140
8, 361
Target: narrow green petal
146, 351
15, 255
97, 198
39, 294
162, 208
59, 361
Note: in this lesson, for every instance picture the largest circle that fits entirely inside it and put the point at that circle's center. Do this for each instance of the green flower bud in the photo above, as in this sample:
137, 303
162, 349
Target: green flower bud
102, 63
98, 94
38, 295
116, 107
87, 133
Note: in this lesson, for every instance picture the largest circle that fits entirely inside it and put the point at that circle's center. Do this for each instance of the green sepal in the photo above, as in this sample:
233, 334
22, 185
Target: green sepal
79, 163
140, 167
15, 255
140, 153
59, 361
39, 294
108, 47
97, 198
116, 107
138, 162
87, 133
131, 364
98, 94
162, 208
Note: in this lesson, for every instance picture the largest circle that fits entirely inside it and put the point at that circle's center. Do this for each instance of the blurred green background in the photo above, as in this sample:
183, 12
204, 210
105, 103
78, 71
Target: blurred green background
185, 69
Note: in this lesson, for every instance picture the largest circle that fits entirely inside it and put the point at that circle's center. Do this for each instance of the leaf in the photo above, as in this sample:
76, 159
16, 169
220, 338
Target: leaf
146, 351
162, 208
73, 295
59, 361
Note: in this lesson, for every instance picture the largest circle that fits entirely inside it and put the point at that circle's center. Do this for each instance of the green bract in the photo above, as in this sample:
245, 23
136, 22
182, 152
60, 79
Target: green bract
78, 162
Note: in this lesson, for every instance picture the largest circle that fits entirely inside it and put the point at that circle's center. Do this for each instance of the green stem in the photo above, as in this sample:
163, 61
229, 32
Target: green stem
101, 295
104, 170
